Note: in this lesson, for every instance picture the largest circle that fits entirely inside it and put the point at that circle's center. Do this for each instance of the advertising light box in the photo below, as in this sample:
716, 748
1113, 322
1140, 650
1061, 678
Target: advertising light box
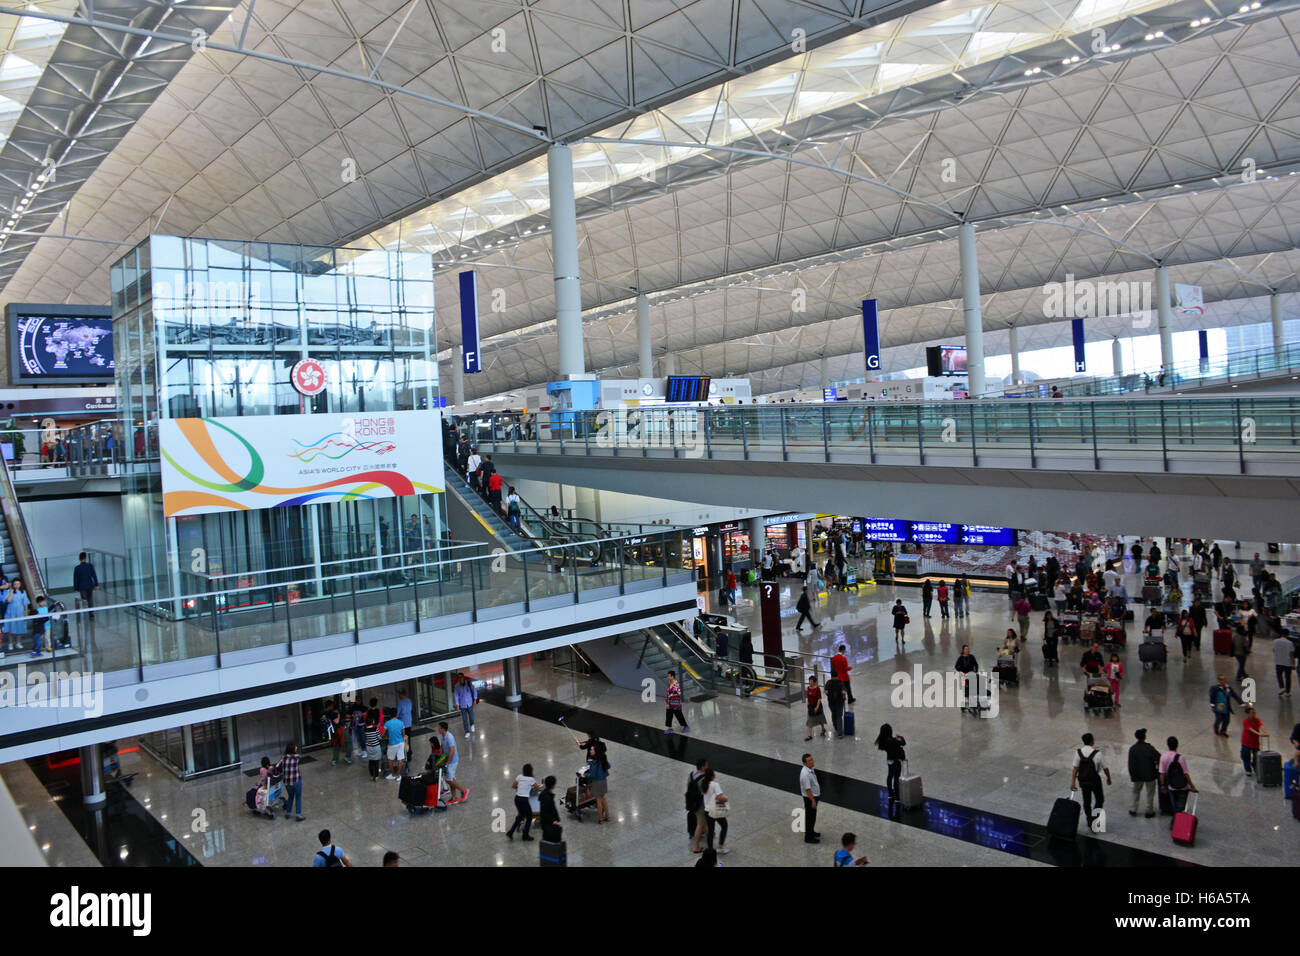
216, 465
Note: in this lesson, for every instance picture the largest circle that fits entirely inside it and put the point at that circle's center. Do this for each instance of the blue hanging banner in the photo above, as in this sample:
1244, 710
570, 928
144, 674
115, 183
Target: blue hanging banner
1076, 329
871, 337
1204, 337
469, 323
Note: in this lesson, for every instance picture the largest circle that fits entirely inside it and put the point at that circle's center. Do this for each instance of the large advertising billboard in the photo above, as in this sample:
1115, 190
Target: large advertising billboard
214, 465
59, 344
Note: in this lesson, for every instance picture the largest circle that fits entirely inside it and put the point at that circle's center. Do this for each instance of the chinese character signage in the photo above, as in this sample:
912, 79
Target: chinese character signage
212, 465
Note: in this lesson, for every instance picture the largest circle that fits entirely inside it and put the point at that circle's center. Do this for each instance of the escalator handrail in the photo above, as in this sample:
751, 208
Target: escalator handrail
20, 539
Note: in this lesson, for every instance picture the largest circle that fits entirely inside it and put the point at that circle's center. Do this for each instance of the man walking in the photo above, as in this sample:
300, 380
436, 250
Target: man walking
1284, 663
804, 607
453, 761
84, 582
406, 716
1143, 771
291, 774
1240, 651
811, 790
673, 700
395, 731
330, 853
1221, 698
1086, 773
466, 698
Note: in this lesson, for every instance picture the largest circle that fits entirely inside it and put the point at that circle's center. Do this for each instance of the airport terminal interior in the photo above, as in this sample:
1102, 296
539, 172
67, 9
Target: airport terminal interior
849, 433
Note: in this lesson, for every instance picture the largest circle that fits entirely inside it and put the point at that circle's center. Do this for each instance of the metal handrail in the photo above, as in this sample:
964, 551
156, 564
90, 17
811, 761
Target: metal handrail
20, 538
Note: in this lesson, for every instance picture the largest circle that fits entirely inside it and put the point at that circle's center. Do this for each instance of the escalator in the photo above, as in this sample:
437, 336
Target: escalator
19, 559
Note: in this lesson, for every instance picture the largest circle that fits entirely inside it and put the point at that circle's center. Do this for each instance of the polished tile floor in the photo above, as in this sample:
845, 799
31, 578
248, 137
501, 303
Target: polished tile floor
1014, 765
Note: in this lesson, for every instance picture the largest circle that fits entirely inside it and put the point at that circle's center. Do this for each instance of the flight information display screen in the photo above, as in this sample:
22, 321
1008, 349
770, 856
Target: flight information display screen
60, 343
688, 388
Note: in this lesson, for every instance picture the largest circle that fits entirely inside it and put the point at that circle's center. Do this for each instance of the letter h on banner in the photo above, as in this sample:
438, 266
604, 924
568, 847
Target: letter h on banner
871, 336
469, 322
1076, 330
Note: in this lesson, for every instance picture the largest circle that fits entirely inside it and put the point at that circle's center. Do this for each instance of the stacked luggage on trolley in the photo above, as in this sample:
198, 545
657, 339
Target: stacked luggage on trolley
1152, 652
1097, 697
425, 793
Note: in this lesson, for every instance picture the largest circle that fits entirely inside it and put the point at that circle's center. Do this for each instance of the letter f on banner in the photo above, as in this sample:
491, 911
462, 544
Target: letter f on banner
469, 322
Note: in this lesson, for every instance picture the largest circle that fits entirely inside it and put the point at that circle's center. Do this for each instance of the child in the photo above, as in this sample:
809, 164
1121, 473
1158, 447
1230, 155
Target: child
41, 629
1114, 673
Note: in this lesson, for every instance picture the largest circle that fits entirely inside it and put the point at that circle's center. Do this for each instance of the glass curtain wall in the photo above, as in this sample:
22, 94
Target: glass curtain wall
213, 328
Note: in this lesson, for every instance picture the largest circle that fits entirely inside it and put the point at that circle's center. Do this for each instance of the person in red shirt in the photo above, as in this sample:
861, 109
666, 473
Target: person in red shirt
494, 490
840, 671
816, 712
1252, 729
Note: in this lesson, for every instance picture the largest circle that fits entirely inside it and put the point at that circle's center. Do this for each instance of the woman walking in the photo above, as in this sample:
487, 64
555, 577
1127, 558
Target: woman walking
900, 621
816, 710
524, 786
715, 808
892, 744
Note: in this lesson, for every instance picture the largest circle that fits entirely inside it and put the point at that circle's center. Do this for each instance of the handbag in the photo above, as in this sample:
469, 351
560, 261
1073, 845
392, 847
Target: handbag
719, 810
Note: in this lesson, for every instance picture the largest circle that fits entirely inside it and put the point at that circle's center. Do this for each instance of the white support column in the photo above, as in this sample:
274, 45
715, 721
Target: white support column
1116, 357
458, 376
970, 296
1275, 313
670, 363
1013, 343
757, 542
1165, 315
644, 355
564, 254
826, 377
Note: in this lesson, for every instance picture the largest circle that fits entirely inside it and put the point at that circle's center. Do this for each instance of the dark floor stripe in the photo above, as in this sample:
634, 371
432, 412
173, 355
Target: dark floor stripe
122, 823
968, 824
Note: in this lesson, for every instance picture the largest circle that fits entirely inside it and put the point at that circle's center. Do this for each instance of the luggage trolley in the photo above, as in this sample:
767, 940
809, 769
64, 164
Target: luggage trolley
579, 797
1096, 697
422, 794
263, 800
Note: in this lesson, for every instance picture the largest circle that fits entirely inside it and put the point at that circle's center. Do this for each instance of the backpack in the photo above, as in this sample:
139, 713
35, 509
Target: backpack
330, 858
694, 799
1087, 769
1175, 776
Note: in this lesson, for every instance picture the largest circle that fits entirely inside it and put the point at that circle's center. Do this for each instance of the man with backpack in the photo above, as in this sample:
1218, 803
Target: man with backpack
330, 853
1175, 779
1086, 773
1143, 771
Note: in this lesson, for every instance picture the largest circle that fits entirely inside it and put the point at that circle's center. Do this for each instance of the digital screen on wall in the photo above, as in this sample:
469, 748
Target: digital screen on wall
688, 388
935, 532
952, 359
65, 344
886, 529
985, 534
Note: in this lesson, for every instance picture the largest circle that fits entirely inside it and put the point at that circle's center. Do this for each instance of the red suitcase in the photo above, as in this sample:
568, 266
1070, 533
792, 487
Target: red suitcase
1112, 635
1222, 641
1184, 830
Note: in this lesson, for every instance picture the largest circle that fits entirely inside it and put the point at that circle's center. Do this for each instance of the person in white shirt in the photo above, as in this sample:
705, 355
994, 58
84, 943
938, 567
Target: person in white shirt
1284, 662
523, 787
715, 809
1060, 595
471, 468
1089, 765
811, 790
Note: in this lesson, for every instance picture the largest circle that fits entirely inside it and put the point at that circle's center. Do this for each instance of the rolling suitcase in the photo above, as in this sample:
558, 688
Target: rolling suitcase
1268, 767
1152, 593
910, 795
1184, 829
553, 853
1111, 634
1038, 602
850, 724
1222, 641
1063, 823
